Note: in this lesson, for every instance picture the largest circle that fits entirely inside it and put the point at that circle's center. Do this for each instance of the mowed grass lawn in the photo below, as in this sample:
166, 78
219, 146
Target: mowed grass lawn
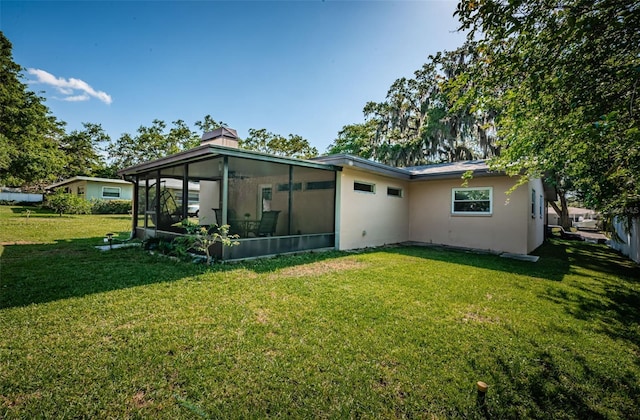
387, 333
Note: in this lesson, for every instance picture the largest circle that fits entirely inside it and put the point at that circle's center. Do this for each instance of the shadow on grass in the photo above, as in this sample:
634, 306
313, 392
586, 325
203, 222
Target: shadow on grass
544, 389
39, 273
609, 295
43, 213
553, 266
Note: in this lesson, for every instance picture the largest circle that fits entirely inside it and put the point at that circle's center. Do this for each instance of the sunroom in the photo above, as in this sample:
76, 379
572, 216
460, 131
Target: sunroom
274, 204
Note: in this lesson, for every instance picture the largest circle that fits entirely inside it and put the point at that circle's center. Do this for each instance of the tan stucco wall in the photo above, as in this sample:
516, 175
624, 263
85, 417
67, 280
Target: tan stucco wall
505, 230
366, 219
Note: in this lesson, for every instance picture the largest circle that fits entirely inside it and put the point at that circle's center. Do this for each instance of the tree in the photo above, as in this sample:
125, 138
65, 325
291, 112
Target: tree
209, 124
355, 139
266, 142
424, 119
565, 75
30, 156
151, 143
82, 151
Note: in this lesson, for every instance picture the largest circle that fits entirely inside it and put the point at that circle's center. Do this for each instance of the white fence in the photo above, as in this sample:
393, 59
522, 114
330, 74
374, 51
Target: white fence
631, 245
20, 197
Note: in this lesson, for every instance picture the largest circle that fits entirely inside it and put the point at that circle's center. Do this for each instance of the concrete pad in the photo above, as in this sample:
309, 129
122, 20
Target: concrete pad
521, 257
116, 246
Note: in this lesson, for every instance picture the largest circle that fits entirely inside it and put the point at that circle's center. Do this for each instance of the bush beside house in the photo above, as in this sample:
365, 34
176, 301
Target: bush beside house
65, 203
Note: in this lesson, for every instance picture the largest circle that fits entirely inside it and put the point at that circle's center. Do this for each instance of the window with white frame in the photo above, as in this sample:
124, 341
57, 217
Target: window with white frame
110, 192
472, 201
364, 187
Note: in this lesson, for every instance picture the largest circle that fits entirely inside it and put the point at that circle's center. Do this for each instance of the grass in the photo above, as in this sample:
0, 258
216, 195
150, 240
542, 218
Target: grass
387, 333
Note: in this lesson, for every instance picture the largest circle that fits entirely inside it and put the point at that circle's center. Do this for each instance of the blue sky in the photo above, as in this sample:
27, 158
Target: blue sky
292, 67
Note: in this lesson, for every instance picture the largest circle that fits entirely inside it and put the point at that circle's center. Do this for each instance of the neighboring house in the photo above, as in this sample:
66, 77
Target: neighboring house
576, 214
339, 202
92, 188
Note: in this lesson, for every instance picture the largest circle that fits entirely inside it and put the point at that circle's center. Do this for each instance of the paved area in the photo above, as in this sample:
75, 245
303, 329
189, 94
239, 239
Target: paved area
592, 236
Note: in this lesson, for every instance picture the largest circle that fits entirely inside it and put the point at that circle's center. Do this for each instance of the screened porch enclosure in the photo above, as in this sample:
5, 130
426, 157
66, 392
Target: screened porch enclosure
274, 205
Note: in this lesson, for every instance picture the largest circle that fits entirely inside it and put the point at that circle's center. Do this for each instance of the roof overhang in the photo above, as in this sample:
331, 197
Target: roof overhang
85, 178
213, 151
344, 160
454, 170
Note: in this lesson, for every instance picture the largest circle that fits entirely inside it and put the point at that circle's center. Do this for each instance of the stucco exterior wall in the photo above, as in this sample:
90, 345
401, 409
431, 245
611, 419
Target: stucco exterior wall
93, 190
370, 219
505, 230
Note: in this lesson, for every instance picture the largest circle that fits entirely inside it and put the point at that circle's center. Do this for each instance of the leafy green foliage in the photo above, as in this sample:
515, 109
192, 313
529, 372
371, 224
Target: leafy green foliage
209, 124
151, 143
565, 76
65, 203
202, 238
355, 139
81, 149
111, 206
29, 135
423, 120
261, 140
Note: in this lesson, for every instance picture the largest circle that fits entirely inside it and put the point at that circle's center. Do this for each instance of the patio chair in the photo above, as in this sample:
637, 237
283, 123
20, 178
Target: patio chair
268, 222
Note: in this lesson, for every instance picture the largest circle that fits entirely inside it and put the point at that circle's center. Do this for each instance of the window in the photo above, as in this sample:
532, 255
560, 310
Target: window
110, 192
297, 186
364, 187
394, 192
533, 204
81, 191
541, 203
321, 185
472, 201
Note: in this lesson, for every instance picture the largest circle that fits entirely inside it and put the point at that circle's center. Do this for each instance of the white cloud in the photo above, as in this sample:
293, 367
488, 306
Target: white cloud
76, 98
70, 86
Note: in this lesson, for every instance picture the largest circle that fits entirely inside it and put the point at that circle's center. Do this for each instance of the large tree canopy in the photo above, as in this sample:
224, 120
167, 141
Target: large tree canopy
82, 151
422, 119
30, 154
565, 75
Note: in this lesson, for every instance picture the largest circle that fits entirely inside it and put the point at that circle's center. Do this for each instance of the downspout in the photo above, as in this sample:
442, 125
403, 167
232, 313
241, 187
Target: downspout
134, 214
290, 207
225, 196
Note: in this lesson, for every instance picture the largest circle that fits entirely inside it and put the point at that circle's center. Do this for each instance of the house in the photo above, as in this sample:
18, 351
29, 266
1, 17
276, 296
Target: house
380, 205
92, 188
278, 205
576, 214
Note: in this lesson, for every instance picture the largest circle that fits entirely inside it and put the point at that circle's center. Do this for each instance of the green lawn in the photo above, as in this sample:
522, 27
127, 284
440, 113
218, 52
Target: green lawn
387, 333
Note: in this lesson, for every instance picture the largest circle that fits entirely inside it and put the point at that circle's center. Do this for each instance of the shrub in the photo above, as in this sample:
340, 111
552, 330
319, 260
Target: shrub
61, 203
110, 206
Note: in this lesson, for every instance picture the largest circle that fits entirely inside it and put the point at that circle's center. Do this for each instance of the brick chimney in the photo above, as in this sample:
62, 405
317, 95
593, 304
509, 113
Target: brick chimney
222, 136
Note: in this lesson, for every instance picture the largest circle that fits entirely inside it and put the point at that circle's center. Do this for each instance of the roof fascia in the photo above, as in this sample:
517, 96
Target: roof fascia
455, 175
350, 161
211, 151
84, 178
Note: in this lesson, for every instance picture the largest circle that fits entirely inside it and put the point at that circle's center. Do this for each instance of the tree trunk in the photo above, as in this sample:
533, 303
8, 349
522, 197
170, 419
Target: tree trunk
562, 211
